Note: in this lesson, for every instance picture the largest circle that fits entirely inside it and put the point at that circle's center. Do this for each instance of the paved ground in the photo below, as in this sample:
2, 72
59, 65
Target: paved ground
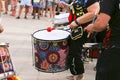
18, 34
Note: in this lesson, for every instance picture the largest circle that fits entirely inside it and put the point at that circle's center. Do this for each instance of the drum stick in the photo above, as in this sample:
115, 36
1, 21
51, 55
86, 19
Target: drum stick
66, 28
89, 33
93, 20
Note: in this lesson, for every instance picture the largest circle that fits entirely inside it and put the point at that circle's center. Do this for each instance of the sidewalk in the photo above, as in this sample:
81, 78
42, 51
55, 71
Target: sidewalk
17, 32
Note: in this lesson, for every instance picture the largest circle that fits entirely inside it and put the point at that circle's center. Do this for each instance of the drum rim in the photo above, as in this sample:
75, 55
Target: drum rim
54, 71
49, 40
4, 44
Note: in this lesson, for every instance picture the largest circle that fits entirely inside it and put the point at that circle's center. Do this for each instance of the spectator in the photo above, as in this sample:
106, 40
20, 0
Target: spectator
45, 7
37, 8
52, 4
1, 5
13, 7
6, 3
26, 4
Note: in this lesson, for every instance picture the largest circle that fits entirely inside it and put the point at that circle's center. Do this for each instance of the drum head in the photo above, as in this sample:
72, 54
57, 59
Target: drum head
54, 35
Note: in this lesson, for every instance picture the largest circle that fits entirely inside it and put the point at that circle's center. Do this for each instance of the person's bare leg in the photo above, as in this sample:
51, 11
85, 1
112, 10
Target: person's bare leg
34, 12
26, 11
6, 6
80, 77
51, 12
1, 5
39, 13
20, 11
54, 11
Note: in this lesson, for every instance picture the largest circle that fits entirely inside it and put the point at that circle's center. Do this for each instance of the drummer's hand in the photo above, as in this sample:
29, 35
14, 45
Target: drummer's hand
89, 29
73, 25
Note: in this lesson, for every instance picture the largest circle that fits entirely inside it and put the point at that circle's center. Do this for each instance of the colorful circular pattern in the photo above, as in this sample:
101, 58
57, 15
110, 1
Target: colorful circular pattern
43, 45
53, 58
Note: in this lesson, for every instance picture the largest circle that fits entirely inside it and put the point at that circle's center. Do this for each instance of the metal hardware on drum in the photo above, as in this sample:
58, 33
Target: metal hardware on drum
6, 66
90, 52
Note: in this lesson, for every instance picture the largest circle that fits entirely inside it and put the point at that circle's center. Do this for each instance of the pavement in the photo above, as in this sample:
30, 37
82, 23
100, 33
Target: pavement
17, 32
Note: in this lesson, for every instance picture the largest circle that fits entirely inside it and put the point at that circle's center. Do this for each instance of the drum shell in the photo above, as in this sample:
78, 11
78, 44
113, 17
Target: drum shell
94, 53
6, 66
50, 55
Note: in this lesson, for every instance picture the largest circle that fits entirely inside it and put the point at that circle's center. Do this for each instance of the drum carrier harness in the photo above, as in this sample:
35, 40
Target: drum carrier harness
78, 9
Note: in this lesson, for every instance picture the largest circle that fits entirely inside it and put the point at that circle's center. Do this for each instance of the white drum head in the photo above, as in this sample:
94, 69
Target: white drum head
51, 36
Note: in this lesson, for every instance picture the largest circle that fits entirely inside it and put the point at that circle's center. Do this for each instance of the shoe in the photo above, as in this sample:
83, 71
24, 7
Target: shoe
45, 15
12, 14
25, 17
70, 77
80, 77
38, 17
18, 17
51, 19
57, 13
5, 13
33, 17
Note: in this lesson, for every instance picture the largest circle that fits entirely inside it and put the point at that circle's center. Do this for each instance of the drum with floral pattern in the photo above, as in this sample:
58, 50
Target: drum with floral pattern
50, 54
6, 66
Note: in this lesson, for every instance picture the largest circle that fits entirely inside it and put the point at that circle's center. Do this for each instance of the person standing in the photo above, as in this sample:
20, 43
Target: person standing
45, 7
37, 8
88, 11
6, 3
13, 7
1, 5
108, 67
26, 4
52, 4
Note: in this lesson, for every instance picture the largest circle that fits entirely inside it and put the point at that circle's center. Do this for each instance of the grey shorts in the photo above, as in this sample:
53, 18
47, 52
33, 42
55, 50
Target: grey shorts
51, 3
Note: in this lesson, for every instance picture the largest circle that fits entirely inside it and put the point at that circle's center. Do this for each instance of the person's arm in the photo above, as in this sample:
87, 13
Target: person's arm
100, 23
92, 11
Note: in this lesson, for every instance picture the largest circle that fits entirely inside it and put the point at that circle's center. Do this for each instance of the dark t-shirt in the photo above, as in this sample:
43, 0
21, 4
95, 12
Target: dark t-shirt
112, 8
75, 45
90, 2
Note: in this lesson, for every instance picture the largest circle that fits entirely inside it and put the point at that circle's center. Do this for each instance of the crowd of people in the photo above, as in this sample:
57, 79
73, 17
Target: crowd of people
37, 8
108, 67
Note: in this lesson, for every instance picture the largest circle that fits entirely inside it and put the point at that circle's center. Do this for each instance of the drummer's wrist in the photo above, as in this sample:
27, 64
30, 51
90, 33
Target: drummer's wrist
73, 25
77, 23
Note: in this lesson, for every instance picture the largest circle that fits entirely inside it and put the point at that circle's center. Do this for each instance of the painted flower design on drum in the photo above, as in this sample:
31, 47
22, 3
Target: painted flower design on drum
54, 47
6, 66
3, 54
3, 51
63, 44
42, 55
45, 65
35, 48
63, 54
53, 57
10, 66
43, 45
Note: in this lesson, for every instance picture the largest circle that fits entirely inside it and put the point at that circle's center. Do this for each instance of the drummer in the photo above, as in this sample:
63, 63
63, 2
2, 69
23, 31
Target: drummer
75, 46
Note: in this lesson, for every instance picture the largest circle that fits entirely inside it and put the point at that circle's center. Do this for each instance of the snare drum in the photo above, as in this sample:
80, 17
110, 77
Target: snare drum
94, 53
50, 50
61, 20
6, 66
